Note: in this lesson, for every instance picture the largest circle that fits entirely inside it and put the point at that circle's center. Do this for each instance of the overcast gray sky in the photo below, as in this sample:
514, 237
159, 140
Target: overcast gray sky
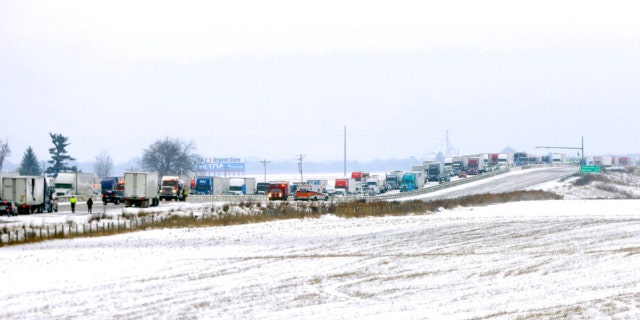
275, 79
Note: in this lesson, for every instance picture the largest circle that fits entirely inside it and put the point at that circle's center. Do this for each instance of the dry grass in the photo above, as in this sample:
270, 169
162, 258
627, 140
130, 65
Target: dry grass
102, 225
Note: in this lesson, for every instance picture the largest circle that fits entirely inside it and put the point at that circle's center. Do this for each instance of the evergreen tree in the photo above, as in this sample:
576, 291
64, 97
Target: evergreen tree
29, 166
59, 157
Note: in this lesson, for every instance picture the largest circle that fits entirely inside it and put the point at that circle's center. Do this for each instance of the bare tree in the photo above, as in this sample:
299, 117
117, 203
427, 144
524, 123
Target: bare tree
169, 157
5, 151
103, 165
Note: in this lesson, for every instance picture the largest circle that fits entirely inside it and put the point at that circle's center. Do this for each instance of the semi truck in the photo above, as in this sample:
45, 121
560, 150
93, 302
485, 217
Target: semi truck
448, 166
141, 189
436, 172
494, 160
112, 190
557, 159
392, 180
74, 183
460, 164
475, 165
173, 188
412, 180
505, 160
242, 186
373, 185
211, 185
348, 185
486, 163
24, 195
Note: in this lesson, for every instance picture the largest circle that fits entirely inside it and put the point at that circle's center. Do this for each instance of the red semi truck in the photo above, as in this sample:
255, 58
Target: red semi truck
475, 166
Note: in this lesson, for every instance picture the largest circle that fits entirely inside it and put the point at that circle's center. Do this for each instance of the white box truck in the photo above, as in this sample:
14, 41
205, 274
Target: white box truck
24, 194
242, 186
141, 189
74, 183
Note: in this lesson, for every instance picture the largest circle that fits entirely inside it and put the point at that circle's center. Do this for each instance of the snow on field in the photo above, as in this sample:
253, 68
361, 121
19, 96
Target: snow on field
533, 259
539, 259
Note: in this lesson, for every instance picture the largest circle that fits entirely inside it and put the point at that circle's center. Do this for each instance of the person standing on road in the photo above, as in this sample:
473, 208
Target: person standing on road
73, 204
89, 205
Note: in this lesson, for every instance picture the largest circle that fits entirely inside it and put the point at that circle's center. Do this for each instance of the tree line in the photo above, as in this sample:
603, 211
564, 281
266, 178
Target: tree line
167, 157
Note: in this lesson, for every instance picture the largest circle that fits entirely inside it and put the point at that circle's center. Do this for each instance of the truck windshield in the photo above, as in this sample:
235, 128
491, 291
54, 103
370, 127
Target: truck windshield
63, 186
170, 183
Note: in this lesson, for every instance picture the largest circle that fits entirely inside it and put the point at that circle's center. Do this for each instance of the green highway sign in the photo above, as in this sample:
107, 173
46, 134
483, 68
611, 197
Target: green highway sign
589, 168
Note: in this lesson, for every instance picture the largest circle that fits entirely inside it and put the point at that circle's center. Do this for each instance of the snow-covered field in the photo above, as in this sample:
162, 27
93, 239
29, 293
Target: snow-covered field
541, 259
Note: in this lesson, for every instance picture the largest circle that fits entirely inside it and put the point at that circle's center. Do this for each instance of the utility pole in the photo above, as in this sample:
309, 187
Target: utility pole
300, 157
264, 162
345, 150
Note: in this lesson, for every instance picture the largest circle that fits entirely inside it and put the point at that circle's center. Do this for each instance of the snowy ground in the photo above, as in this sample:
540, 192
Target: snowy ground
542, 259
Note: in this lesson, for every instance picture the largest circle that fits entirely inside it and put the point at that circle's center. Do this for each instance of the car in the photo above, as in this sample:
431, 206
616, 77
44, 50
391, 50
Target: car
114, 196
304, 194
462, 174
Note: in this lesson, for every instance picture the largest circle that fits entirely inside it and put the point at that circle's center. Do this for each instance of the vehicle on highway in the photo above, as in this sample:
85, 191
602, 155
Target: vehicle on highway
278, 191
462, 174
113, 196
262, 188
306, 194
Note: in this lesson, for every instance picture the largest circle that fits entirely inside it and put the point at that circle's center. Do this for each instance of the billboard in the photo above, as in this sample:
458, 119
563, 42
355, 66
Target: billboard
220, 165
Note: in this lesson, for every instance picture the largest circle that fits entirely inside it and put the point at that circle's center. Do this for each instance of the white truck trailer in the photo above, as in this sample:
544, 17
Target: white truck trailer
74, 183
141, 189
24, 194
242, 186
211, 185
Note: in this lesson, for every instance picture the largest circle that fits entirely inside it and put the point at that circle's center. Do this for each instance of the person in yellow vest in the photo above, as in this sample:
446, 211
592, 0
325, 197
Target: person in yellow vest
73, 204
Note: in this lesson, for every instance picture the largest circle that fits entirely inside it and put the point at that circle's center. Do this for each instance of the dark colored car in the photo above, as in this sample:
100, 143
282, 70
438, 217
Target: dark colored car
113, 196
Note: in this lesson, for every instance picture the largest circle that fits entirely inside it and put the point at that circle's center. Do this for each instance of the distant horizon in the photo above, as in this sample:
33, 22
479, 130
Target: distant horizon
312, 167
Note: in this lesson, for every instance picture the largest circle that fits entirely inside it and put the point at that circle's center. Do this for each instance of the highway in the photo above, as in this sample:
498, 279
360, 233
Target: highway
508, 182
512, 181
